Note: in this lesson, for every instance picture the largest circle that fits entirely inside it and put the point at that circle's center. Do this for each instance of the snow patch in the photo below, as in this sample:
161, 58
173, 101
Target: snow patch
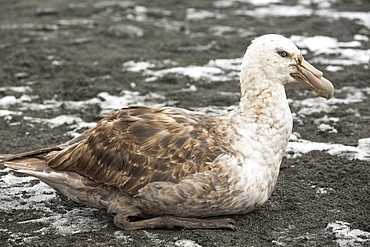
186, 243
296, 149
11, 186
277, 10
4, 113
319, 3
362, 18
71, 222
324, 190
111, 103
333, 68
20, 89
310, 106
197, 14
326, 128
214, 70
345, 236
324, 45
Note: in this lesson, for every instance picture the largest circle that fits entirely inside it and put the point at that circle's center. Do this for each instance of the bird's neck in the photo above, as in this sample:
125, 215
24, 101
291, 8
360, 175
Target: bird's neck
263, 116
263, 124
261, 98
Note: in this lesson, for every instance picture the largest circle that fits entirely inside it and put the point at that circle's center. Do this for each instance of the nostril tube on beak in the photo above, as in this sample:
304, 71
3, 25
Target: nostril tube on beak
312, 69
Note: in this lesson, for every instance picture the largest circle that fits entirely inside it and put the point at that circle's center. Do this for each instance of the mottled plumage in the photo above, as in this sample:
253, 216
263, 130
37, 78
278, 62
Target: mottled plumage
172, 164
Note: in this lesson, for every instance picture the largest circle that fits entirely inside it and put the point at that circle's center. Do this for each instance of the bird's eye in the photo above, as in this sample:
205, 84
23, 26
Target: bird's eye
282, 53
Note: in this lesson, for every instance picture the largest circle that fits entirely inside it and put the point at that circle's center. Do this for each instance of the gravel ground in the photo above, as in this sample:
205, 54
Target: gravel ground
57, 54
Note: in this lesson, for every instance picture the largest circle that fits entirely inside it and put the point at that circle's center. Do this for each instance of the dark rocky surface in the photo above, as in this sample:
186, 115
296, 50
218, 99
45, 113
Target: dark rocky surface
73, 50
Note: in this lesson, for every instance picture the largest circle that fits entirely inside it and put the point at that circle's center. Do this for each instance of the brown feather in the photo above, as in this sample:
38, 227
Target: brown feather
136, 146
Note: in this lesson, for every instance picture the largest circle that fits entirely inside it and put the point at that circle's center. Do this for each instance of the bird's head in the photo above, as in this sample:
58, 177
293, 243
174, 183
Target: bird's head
276, 58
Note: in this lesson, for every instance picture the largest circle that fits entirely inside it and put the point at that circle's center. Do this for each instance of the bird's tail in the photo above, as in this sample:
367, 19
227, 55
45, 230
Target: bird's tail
73, 185
4, 157
28, 162
33, 163
23, 165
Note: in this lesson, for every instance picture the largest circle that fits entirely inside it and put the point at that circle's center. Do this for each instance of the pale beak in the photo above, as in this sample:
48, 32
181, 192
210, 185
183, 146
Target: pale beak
312, 78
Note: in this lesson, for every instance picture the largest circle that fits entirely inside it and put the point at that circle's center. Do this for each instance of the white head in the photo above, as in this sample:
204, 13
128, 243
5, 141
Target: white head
276, 59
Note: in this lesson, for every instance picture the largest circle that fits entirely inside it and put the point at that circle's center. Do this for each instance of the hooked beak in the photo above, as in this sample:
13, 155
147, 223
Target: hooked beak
312, 78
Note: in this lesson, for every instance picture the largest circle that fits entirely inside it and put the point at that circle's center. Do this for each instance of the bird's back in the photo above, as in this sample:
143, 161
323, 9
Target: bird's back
127, 150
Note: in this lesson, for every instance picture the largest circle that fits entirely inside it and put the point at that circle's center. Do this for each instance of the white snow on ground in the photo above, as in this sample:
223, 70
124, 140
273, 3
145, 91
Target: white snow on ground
12, 186
296, 149
347, 53
19, 89
83, 220
347, 237
276, 10
260, 2
198, 15
186, 243
214, 70
326, 128
362, 18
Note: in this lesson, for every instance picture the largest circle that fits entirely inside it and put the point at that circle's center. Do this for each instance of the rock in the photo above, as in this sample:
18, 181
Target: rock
77, 5
112, 4
222, 4
21, 75
199, 48
79, 41
46, 11
77, 22
126, 31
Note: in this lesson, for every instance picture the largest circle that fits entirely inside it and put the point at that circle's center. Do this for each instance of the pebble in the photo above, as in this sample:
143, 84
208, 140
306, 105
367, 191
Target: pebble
46, 11
222, 4
198, 48
112, 4
6, 45
79, 41
21, 75
77, 5
126, 31
77, 22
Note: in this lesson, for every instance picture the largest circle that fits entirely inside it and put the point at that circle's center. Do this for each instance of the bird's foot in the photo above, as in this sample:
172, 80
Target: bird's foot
170, 222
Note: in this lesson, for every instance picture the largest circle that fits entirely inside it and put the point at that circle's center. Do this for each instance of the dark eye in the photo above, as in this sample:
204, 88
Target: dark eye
282, 53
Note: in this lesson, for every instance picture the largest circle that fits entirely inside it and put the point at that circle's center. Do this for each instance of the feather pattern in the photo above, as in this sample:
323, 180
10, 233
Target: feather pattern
137, 145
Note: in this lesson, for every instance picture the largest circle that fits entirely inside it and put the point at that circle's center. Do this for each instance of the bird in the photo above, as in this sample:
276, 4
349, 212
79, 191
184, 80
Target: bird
166, 167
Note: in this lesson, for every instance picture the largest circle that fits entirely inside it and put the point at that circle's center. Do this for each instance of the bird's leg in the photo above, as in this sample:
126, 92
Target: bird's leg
169, 222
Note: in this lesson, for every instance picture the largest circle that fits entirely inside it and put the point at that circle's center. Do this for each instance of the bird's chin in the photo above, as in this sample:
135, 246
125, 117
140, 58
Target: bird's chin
312, 78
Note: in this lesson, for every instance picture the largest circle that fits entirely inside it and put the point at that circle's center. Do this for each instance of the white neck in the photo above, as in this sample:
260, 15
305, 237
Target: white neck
262, 100
263, 124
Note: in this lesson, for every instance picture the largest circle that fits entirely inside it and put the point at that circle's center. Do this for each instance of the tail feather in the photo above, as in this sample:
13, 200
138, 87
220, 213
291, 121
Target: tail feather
4, 157
28, 161
78, 188
26, 165
73, 185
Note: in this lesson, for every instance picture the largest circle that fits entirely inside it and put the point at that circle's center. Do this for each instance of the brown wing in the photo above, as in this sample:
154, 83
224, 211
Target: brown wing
138, 145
